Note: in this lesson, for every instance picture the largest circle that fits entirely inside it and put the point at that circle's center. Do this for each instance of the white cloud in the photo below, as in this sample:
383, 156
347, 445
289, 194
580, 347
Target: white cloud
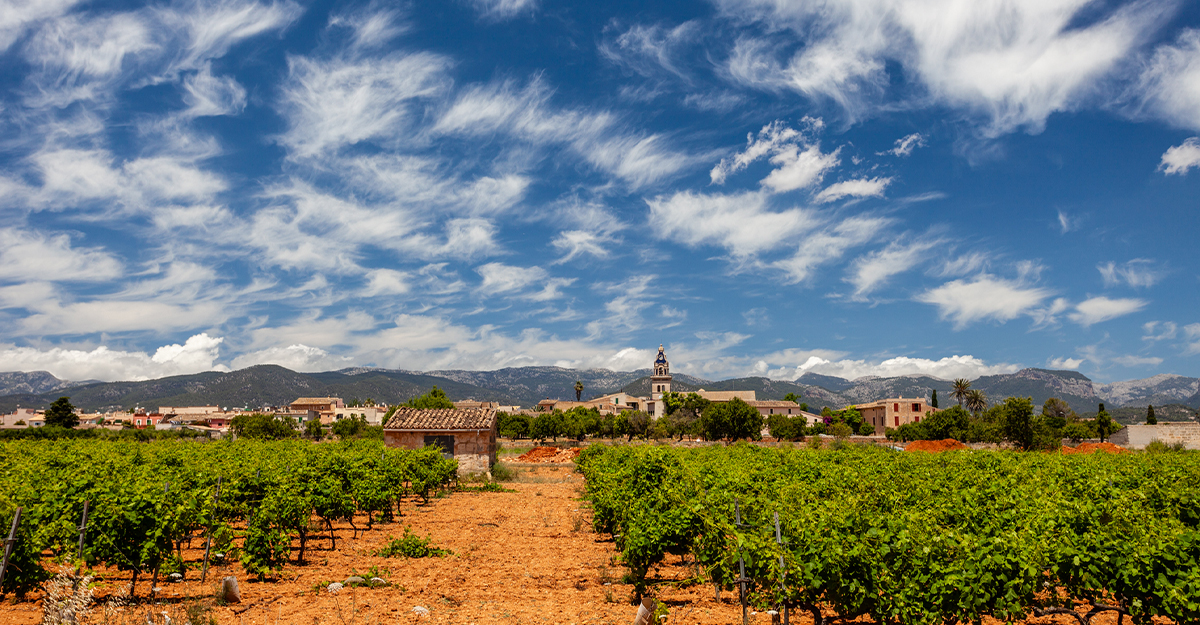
863, 187
1179, 159
650, 50
371, 28
1098, 309
1137, 361
947, 368
799, 162
623, 309
1169, 86
506, 280
741, 223
1067, 223
197, 354
504, 9
906, 145
829, 244
1064, 363
1165, 330
1138, 273
32, 255
297, 357
17, 16
386, 282
207, 95
986, 297
207, 30
969, 263
528, 116
330, 104
1192, 331
873, 270
1011, 64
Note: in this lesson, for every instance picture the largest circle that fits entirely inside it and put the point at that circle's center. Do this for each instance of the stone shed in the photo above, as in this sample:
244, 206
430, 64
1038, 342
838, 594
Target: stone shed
1138, 436
467, 435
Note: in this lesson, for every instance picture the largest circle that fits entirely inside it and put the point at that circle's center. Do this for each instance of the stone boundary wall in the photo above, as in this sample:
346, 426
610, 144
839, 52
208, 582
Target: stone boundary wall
1138, 436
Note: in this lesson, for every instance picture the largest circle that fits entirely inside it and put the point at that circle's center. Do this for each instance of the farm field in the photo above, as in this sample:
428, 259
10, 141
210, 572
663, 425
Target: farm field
528, 556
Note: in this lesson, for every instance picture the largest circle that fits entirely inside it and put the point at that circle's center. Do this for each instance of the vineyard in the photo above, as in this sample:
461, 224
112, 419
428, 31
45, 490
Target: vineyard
246, 500
910, 537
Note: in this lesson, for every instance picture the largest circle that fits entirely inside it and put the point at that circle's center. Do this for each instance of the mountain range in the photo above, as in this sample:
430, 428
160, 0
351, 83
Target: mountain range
272, 385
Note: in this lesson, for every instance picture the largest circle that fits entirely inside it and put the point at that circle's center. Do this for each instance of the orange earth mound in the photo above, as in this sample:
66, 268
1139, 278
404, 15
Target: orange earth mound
1090, 448
549, 454
948, 444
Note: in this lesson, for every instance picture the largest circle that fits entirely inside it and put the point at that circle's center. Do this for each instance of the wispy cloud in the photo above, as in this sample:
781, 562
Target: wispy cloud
1179, 159
1098, 309
983, 298
860, 188
906, 145
198, 353
1137, 273
872, 271
1167, 87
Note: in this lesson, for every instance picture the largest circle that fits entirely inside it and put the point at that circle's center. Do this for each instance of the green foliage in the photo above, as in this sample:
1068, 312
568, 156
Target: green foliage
785, 427
351, 427
1150, 418
1016, 421
433, 400
1077, 431
412, 546
792, 397
1158, 447
165, 489
1104, 425
513, 426
547, 425
1009, 526
313, 429
933, 400
61, 414
263, 427
731, 420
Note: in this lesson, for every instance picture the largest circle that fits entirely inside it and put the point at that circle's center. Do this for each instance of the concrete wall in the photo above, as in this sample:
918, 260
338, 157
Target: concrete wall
474, 451
1138, 436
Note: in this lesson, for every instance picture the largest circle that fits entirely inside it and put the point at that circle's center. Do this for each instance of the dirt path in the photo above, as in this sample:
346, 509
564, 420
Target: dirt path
527, 557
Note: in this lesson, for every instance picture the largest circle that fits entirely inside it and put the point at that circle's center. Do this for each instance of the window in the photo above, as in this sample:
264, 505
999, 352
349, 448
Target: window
445, 442
897, 421
916, 407
895, 407
918, 419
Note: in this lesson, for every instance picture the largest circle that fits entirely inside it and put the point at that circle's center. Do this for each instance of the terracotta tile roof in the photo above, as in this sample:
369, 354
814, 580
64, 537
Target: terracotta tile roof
773, 403
406, 418
316, 400
727, 395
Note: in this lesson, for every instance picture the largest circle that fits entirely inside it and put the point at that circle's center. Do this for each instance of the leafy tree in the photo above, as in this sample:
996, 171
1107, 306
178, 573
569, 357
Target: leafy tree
731, 420
1104, 424
1057, 413
262, 426
933, 399
1150, 418
784, 427
1017, 421
953, 422
639, 424
1076, 431
62, 414
792, 397
962, 387
350, 428
578, 390
313, 429
683, 413
513, 425
433, 400
547, 425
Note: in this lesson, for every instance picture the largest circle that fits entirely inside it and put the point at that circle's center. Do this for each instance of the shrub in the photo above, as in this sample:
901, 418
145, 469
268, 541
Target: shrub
412, 546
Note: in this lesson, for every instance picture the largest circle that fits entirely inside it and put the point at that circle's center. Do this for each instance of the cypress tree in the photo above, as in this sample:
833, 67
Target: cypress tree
933, 400
1150, 418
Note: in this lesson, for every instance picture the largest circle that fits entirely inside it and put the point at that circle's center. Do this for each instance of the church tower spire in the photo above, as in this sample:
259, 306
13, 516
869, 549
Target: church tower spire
660, 381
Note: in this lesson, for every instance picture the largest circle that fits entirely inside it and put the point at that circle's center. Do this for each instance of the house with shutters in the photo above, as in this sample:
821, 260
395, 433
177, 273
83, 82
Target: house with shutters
467, 435
893, 413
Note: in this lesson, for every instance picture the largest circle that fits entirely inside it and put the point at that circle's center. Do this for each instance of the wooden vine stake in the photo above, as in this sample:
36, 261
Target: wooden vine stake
82, 530
737, 518
645, 612
8, 544
782, 571
208, 540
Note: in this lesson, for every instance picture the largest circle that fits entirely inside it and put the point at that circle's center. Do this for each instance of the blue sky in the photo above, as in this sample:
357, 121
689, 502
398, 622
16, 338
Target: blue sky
853, 187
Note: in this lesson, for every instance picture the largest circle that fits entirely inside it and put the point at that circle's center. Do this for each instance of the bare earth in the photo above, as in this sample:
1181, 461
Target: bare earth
523, 557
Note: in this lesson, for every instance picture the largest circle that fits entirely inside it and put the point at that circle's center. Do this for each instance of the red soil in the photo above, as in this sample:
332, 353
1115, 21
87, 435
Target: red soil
948, 444
1091, 448
549, 454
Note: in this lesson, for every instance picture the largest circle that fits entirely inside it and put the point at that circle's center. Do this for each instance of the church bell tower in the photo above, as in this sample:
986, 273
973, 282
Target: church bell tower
660, 381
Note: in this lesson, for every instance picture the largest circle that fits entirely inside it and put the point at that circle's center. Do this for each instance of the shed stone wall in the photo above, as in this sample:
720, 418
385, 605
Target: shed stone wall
1138, 436
475, 451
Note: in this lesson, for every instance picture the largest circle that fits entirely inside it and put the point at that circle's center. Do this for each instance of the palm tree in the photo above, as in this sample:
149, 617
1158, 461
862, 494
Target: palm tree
962, 388
977, 402
578, 390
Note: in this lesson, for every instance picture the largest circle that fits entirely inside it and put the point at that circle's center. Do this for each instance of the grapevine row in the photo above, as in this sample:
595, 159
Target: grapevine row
912, 537
146, 501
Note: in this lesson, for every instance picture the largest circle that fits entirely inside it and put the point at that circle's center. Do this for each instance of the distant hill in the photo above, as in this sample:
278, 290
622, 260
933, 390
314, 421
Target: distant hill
32, 383
1156, 390
1137, 414
272, 385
